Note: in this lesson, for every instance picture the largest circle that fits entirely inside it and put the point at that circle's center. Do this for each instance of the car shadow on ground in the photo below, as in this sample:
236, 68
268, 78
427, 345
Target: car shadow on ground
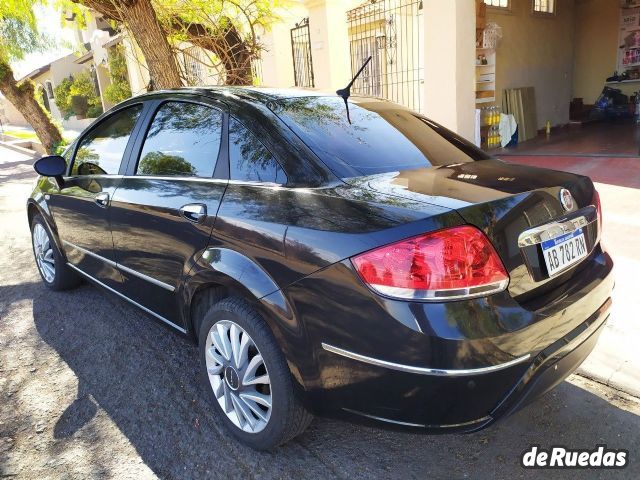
17, 170
146, 379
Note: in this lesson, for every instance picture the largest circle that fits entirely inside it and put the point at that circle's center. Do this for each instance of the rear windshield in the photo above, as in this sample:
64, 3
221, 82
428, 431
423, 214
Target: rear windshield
382, 137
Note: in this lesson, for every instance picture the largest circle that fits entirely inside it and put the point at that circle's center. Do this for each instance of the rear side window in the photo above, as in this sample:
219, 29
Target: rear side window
382, 136
100, 151
249, 159
183, 140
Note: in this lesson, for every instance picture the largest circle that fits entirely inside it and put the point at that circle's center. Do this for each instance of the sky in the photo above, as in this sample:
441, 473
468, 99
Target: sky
48, 23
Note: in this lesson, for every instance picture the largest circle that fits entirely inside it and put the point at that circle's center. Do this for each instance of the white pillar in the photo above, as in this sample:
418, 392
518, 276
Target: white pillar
449, 78
329, 43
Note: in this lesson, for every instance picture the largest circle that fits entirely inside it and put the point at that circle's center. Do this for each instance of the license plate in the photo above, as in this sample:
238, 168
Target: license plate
563, 251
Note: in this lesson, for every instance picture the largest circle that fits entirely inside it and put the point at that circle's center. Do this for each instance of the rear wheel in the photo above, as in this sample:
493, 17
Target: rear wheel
53, 269
248, 376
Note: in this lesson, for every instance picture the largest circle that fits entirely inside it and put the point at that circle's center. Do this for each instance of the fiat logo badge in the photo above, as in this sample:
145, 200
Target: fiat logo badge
566, 199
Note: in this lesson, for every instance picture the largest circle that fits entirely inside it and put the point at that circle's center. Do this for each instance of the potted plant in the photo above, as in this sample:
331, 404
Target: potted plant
80, 106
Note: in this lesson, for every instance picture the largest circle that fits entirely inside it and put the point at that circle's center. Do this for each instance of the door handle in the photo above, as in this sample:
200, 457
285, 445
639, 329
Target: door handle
102, 199
194, 212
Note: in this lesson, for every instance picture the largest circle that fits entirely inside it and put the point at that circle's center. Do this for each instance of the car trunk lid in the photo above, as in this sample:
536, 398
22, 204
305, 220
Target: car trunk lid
504, 200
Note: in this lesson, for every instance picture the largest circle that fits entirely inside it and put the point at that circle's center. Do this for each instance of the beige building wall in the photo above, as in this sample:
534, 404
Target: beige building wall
276, 59
9, 115
40, 83
597, 26
64, 67
537, 50
449, 31
136, 68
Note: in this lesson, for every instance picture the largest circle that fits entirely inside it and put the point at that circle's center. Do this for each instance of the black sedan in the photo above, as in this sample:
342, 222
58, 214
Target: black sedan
375, 266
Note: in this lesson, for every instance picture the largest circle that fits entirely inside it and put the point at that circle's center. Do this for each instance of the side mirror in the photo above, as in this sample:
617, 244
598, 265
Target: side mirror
51, 166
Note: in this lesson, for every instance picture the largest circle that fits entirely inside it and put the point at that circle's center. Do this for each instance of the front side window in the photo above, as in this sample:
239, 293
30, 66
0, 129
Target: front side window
249, 159
100, 151
183, 140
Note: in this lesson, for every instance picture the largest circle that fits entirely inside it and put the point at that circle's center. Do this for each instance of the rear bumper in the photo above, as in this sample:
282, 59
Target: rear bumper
465, 364
542, 373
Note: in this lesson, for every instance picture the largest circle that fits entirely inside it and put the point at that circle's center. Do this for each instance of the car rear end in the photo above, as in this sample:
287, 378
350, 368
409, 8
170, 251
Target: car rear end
451, 328
396, 349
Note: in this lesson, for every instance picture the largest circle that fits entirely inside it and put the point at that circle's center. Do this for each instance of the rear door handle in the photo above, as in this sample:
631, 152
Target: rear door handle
102, 199
194, 212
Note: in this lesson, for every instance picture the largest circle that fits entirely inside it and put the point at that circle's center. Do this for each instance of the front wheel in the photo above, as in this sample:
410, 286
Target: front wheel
248, 376
53, 269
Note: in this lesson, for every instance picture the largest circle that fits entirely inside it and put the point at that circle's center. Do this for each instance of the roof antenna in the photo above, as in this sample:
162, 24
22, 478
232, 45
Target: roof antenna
345, 93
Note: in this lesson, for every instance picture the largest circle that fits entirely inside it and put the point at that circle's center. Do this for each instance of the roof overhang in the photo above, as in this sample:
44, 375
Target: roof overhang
37, 72
85, 58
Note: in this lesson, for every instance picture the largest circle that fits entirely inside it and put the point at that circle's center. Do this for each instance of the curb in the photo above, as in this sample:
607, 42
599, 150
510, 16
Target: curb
25, 151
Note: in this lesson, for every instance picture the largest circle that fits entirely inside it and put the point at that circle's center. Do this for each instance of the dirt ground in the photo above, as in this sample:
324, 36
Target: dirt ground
90, 387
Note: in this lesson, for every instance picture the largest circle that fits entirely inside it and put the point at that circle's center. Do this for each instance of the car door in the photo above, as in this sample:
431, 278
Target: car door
163, 210
81, 208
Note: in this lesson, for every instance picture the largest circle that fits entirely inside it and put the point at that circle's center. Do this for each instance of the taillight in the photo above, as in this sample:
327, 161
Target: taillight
448, 264
596, 203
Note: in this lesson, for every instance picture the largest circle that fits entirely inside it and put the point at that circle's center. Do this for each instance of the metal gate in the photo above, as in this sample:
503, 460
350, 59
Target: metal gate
301, 52
392, 33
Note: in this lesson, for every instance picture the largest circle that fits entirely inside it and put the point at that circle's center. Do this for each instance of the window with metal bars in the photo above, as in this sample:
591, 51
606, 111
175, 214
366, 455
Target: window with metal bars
498, 3
193, 66
544, 6
301, 53
391, 32
256, 71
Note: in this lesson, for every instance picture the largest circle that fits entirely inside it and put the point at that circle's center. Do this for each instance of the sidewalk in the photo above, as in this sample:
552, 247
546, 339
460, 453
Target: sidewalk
616, 359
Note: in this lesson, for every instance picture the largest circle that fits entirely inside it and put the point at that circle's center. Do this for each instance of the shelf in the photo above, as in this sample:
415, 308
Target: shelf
624, 81
486, 100
487, 65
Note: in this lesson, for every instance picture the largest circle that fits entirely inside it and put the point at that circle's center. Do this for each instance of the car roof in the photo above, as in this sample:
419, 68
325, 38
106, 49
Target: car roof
263, 95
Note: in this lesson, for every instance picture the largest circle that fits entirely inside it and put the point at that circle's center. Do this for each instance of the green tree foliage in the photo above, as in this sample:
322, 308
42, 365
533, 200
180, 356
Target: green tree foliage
119, 88
18, 37
158, 163
227, 30
84, 86
79, 85
18, 31
63, 96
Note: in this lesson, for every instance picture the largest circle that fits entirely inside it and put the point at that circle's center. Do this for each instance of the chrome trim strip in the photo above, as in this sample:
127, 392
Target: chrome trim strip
424, 370
149, 279
151, 312
113, 264
91, 254
421, 425
386, 420
178, 178
548, 231
443, 295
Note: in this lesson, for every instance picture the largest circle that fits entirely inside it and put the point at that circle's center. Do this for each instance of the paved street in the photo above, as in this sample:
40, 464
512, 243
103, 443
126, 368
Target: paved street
90, 387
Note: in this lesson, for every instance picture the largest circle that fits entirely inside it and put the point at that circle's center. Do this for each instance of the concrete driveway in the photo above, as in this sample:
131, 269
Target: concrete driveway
90, 387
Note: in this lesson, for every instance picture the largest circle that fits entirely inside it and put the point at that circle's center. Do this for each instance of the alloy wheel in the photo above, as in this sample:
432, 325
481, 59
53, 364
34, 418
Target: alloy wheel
43, 250
238, 376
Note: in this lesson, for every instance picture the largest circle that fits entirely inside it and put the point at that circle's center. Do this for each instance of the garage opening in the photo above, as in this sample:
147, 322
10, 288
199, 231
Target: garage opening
569, 73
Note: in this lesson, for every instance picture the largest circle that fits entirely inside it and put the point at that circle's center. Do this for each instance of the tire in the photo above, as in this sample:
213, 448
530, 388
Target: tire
286, 417
52, 266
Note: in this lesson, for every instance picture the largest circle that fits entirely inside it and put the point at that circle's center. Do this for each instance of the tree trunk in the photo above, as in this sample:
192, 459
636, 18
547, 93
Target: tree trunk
152, 40
23, 99
141, 20
226, 43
